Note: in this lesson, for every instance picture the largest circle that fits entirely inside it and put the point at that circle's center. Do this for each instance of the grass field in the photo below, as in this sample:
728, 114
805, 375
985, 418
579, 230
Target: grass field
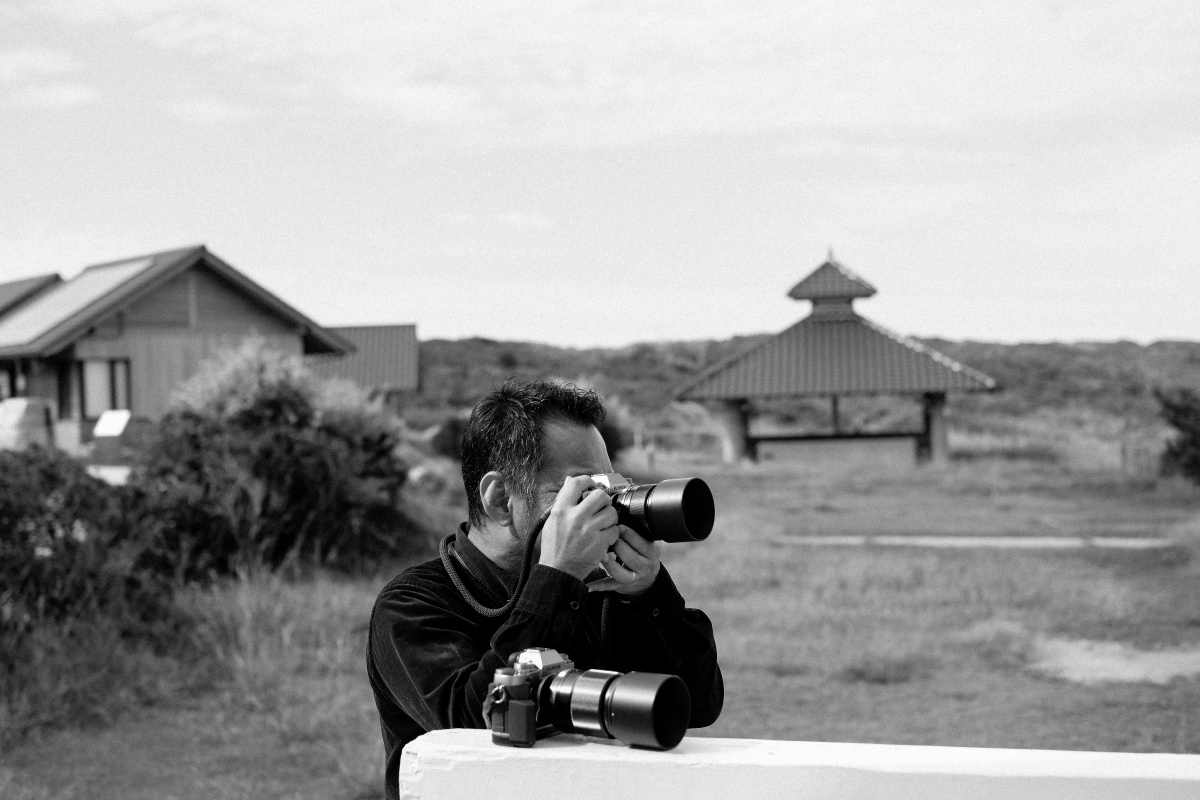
838, 644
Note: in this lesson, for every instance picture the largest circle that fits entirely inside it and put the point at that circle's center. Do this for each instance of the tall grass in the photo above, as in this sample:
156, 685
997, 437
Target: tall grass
291, 653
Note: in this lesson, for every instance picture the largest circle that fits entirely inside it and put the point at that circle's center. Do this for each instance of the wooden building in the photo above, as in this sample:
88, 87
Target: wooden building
125, 334
831, 353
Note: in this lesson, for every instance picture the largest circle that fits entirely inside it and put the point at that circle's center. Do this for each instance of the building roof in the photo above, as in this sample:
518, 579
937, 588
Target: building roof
63, 313
824, 355
831, 280
13, 293
833, 351
385, 357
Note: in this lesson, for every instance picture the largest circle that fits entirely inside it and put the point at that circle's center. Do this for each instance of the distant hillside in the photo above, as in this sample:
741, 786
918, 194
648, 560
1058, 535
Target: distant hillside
456, 373
1113, 378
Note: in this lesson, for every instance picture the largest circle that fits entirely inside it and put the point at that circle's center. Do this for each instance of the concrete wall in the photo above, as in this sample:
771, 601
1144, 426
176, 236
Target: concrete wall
453, 764
898, 453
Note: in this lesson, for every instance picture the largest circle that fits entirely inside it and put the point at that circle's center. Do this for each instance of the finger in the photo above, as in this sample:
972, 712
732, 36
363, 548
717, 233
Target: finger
607, 518
618, 571
609, 536
628, 556
603, 585
573, 488
596, 500
638, 542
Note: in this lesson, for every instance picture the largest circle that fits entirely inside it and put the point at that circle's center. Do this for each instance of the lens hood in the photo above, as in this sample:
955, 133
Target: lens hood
680, 510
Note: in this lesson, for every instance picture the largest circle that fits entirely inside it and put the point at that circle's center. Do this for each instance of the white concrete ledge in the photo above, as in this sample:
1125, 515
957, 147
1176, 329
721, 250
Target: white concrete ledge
451, 764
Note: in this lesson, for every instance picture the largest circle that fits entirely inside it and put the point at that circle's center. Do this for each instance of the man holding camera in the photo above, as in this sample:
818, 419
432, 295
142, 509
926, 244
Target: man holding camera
542, 562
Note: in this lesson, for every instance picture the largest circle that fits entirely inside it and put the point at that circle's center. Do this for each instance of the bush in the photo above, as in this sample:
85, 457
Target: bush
261, 463
76, 611
1181, 409
447, 440
65, 551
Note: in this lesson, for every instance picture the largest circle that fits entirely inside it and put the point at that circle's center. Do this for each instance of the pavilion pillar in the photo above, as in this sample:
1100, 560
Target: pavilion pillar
733, 420
934, 446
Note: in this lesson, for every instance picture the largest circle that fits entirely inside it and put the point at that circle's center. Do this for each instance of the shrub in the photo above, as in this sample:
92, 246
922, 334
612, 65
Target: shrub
261, 463
1181, 409
447, 440
76, 612
65, 551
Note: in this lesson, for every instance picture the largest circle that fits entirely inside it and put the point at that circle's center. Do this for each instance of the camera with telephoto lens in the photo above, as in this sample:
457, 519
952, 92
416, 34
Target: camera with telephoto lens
541, 693
674, 510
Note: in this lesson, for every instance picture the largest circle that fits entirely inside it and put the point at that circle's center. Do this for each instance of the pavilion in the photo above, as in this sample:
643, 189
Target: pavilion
831, 353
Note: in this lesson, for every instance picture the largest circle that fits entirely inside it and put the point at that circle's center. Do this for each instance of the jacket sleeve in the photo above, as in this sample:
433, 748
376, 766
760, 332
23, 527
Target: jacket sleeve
428, 651
656, 632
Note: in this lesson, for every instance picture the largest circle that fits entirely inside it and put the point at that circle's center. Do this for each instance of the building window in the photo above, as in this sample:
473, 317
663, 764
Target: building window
103, 386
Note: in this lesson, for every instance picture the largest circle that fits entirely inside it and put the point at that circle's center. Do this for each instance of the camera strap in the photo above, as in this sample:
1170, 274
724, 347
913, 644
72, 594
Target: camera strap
526, 566
448, 557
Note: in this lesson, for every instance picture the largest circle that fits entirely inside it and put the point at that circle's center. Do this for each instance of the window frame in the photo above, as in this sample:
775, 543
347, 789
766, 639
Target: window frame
115, 388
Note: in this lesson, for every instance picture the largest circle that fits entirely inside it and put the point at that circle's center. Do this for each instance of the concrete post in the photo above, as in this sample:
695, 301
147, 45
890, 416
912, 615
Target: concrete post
733, 420
936, 443
453, 764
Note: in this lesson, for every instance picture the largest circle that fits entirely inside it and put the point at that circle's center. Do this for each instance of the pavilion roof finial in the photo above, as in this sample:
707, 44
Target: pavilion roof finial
831, 281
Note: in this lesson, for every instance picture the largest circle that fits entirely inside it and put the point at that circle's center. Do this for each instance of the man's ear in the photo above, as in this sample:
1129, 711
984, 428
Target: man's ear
497, 498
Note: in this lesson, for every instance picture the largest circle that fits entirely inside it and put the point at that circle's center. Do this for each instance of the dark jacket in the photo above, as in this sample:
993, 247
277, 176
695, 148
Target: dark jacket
430, 656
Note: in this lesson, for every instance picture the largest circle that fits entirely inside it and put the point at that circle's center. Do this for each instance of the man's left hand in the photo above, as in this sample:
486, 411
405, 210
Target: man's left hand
632, 564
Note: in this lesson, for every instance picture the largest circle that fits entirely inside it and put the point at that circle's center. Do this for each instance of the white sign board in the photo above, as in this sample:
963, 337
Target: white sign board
111, 423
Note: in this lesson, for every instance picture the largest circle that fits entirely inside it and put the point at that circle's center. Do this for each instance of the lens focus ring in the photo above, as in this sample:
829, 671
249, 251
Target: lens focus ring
587, 697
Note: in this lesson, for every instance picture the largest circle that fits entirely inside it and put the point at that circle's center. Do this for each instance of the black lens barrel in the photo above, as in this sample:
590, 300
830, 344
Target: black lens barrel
680, 510
674, 510
647, 709
642, 709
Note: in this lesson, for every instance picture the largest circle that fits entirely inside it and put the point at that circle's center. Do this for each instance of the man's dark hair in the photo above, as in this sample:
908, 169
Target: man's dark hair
504, 433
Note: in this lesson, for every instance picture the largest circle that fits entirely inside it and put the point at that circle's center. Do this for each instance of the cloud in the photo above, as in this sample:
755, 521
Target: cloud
208, 110
34, 77
595, 73
515, 220
20, 65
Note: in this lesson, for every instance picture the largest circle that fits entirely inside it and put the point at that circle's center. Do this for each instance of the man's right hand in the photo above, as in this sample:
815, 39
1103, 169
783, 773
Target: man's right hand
578, 532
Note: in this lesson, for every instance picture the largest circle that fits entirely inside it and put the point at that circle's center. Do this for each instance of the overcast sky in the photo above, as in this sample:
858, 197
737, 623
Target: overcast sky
603, 173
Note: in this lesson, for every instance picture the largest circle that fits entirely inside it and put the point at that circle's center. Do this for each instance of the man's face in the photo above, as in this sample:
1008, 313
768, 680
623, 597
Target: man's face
568, 449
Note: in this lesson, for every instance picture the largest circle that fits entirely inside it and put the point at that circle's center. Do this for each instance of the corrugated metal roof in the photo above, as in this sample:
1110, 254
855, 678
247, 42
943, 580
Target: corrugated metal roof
63, 313
826, 354
831, 280
385, 357
13, 293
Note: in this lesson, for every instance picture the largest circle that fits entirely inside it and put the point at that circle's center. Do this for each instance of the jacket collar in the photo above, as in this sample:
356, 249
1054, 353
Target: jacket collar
485, 574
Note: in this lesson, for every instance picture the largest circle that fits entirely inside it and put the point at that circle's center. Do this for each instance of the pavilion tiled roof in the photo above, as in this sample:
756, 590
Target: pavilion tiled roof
833, 351
824, 355
831, 280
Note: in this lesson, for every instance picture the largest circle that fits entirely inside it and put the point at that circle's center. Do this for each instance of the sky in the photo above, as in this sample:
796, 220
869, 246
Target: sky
603, 173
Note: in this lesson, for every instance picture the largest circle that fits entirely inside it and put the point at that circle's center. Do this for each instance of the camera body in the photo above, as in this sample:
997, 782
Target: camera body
510, 708
673, 510
541, 693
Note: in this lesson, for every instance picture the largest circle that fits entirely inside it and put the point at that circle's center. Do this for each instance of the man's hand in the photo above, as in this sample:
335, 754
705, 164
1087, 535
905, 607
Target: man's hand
578, 533
632, 564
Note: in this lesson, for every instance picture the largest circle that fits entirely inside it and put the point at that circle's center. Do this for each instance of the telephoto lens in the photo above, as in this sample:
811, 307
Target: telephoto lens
642, 709
674, 510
